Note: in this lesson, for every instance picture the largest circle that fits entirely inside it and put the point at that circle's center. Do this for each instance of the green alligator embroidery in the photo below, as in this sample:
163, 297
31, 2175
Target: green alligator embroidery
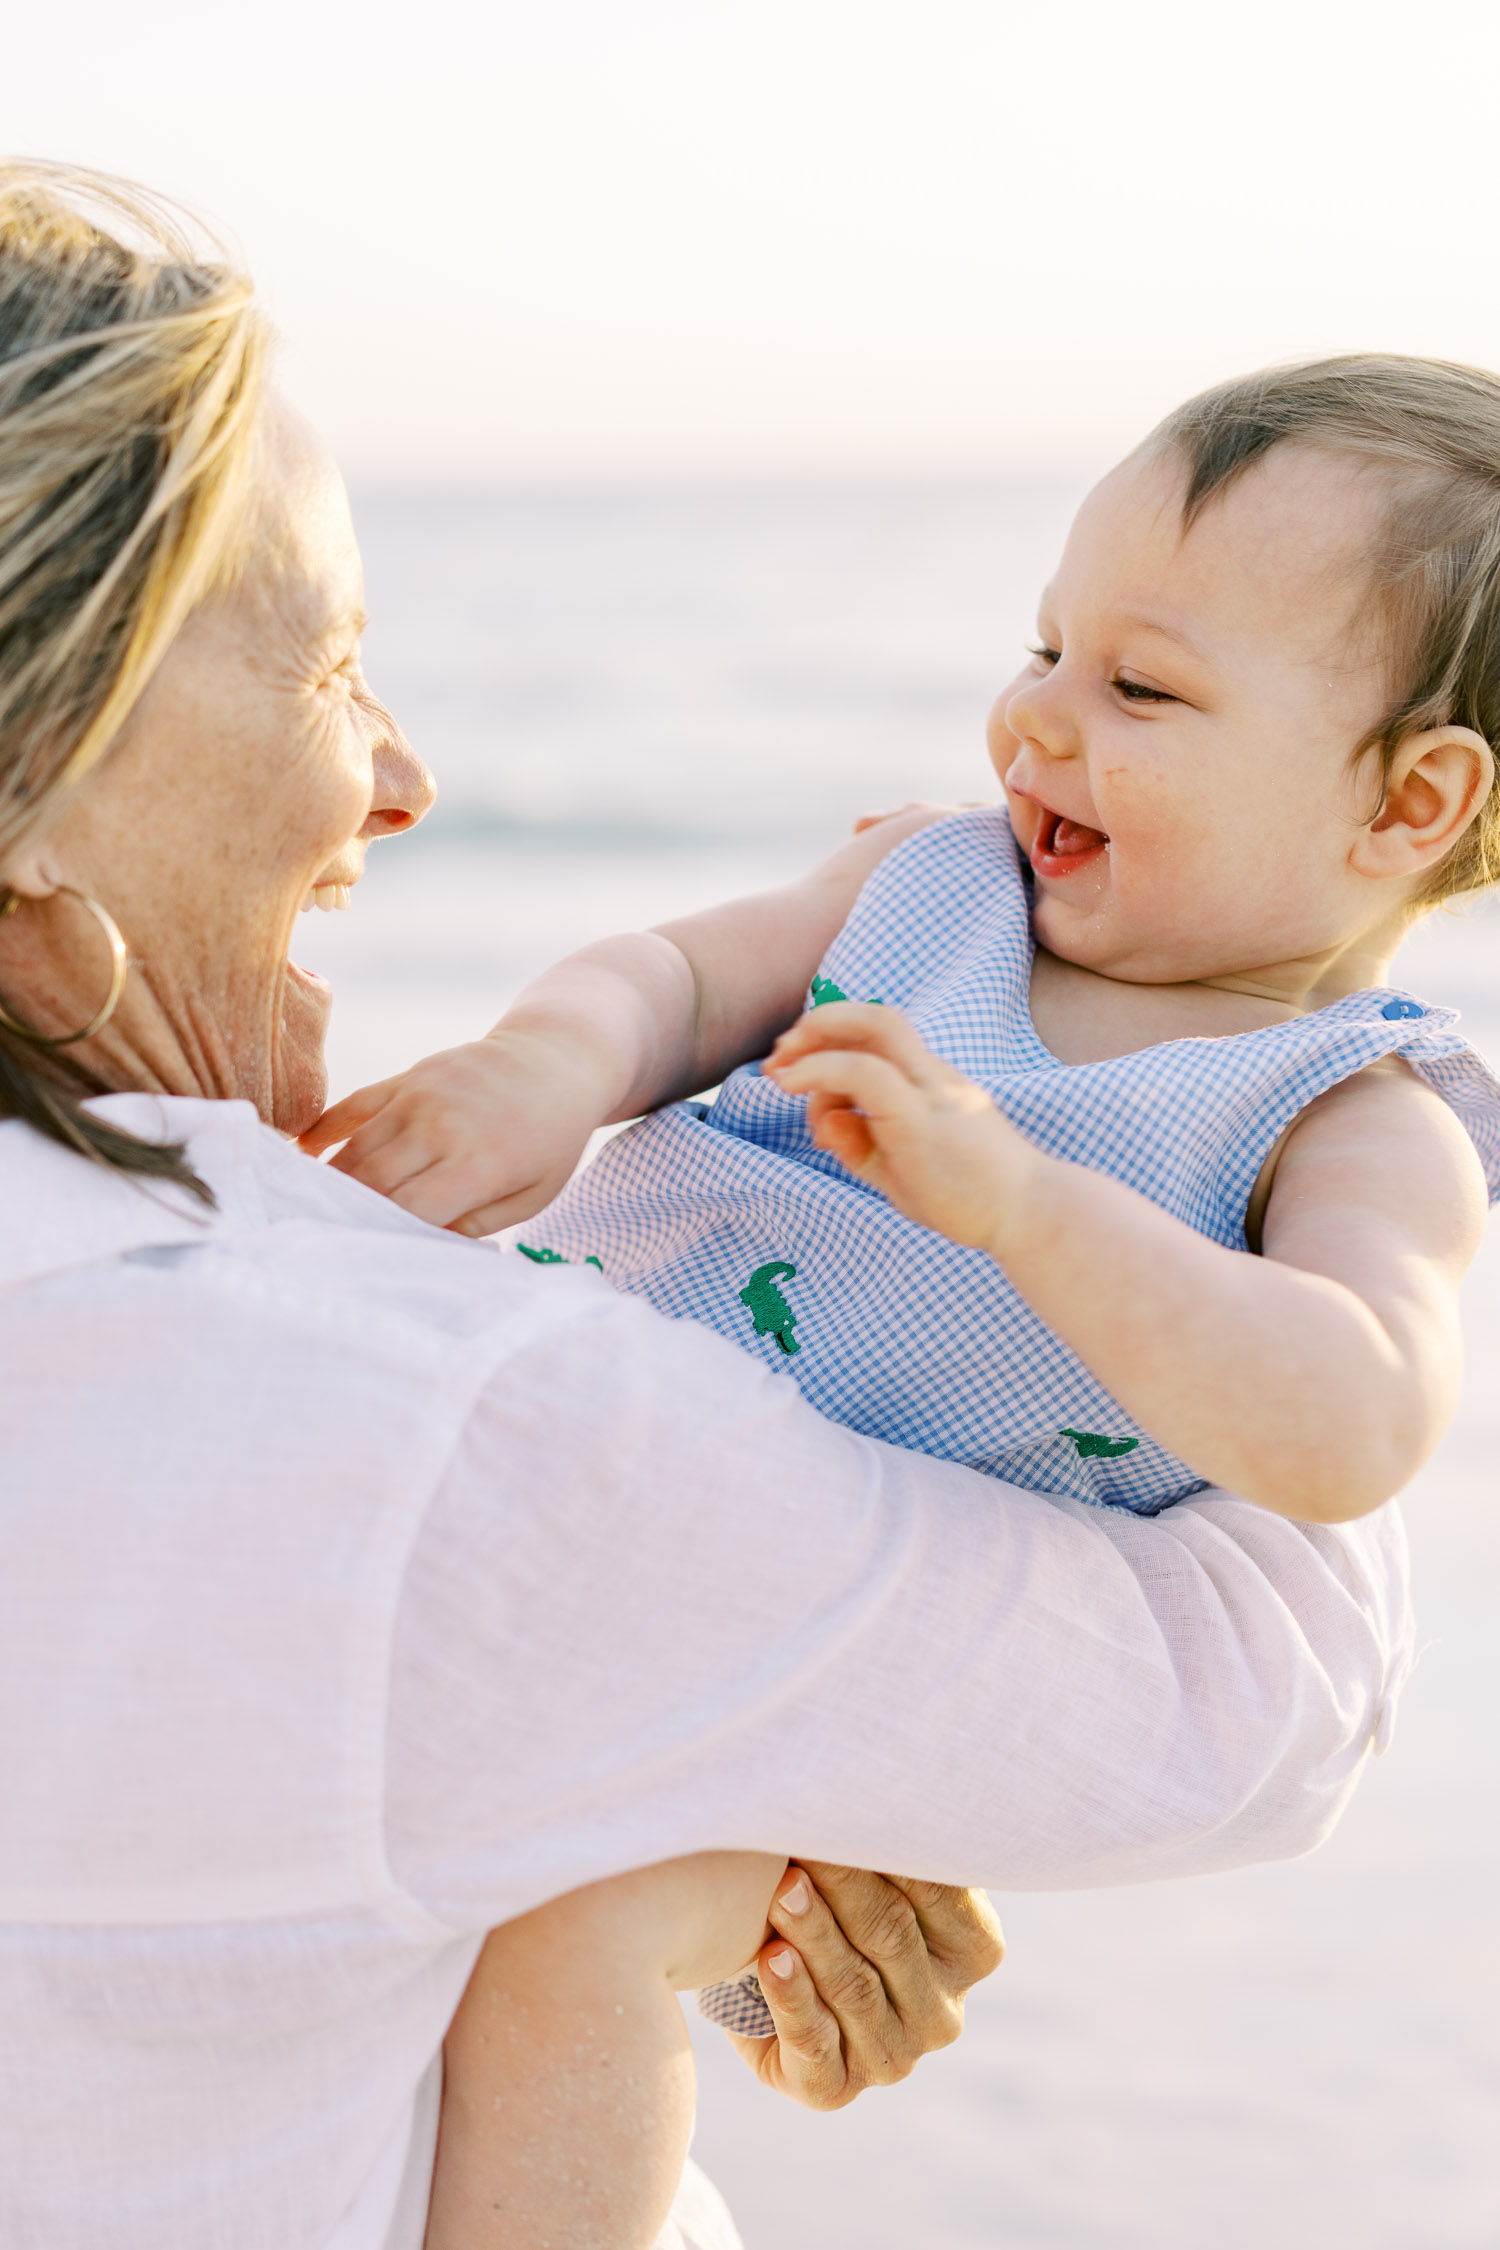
1092, 1447
553, 1257
825, 991
772, 1314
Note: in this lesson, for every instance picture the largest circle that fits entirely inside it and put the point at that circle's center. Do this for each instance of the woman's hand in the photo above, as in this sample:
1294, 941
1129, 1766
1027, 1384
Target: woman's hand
866, 1975
475, 1138
896, 1115
918, 812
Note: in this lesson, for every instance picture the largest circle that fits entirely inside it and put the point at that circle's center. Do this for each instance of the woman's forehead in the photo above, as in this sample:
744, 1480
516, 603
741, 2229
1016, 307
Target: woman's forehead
303, 536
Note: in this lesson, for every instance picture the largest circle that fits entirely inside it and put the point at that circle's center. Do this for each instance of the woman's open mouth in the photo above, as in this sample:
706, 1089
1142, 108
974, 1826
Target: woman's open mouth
1061, 846
308, 980
330, 894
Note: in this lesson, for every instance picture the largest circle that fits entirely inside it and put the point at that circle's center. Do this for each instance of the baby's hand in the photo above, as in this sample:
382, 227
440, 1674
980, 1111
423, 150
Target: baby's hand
893, 1114
476, 1138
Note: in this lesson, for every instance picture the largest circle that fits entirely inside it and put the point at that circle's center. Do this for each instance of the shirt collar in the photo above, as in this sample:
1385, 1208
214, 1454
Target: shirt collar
59, 1211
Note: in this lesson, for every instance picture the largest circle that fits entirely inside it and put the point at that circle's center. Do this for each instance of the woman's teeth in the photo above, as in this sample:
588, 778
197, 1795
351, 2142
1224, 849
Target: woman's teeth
328, 898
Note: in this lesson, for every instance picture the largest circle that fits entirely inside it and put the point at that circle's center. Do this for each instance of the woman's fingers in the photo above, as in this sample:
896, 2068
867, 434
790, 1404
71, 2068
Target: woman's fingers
880, 1924
806, 2057
866, 1973
934, 811
850, 1983
895, 812
960, 1928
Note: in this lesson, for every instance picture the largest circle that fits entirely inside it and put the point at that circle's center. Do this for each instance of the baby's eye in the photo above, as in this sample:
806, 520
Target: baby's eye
1044, 654
1135, 692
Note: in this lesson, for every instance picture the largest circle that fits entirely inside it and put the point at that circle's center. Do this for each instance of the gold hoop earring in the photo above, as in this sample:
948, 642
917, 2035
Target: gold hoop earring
117, 967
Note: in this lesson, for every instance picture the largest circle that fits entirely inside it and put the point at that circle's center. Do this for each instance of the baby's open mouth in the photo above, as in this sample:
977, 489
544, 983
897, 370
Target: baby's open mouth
1062, 844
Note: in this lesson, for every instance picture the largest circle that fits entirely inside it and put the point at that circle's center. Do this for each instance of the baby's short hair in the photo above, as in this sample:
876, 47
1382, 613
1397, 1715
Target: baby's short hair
1435, 566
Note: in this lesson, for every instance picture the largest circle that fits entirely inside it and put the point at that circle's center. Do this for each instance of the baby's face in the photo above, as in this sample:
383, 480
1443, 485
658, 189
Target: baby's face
1177, 756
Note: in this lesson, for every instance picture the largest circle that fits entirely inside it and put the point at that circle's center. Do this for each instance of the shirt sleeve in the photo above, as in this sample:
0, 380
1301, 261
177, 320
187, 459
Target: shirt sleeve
660, 1605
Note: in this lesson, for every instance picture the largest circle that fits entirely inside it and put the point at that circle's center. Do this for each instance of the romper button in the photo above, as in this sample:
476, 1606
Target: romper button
1395, 1009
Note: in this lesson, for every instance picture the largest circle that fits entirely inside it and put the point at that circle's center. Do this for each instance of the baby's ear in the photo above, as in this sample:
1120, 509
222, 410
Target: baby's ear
1437, 783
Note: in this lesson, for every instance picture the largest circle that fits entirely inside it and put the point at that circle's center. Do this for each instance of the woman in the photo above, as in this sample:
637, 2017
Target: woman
363, 1590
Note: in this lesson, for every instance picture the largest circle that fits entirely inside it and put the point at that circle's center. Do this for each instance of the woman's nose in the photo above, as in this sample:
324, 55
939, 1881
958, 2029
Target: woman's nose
404, 788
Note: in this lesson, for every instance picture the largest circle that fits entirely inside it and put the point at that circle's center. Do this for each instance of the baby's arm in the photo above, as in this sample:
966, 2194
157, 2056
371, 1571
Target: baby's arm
1314, 1379
567, 2082
482, 1136
567, 2072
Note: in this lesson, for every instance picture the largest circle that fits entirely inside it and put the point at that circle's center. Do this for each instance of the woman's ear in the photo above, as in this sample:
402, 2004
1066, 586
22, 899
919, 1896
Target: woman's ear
30, 872
1436, 786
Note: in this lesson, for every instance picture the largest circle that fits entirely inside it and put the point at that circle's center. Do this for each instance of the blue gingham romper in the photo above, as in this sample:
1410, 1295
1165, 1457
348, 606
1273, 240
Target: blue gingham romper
730, 1215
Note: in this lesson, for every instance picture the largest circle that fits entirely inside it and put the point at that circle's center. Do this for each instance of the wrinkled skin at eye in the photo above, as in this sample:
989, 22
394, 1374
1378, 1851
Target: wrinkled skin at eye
258, 765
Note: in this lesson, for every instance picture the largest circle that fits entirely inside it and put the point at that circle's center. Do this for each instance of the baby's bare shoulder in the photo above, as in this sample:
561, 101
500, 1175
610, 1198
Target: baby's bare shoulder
1385, 1099
1386, 1143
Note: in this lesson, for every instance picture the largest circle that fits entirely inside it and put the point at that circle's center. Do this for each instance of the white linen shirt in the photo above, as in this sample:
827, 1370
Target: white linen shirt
363, 1587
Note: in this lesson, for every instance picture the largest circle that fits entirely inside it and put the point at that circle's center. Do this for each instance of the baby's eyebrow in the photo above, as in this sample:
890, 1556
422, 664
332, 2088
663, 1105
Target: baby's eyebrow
1151, 622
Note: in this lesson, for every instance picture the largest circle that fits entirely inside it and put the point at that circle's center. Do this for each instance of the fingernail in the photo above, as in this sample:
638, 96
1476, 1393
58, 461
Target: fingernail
782, 1965
797, 1900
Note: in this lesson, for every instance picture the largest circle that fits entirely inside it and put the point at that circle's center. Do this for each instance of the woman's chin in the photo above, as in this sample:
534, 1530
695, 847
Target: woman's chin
299, 1092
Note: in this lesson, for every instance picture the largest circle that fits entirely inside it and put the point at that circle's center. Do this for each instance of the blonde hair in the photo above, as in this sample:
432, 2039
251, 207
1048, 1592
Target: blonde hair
1434, 573
131, 368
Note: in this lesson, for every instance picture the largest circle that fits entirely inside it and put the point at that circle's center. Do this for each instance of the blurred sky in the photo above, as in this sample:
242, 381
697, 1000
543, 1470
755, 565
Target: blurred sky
633, 238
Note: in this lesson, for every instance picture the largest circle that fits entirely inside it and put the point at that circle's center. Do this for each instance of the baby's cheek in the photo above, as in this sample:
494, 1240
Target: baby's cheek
1025, 812
1002, 745
1159, 835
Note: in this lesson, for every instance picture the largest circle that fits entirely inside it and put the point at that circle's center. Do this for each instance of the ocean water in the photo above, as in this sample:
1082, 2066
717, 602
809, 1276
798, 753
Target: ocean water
639, 702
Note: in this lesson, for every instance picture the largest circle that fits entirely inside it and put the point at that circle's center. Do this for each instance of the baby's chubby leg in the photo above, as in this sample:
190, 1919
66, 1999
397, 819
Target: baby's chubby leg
567, 2072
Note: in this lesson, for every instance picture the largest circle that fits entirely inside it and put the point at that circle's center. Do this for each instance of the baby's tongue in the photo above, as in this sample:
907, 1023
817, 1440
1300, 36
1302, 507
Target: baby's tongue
1072, 836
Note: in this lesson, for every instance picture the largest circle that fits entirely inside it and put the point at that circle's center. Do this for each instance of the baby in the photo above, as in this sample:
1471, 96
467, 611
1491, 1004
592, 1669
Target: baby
1105, 1159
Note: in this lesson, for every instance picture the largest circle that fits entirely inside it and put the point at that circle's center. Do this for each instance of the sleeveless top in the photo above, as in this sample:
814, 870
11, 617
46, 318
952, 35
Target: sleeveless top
729, 1215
